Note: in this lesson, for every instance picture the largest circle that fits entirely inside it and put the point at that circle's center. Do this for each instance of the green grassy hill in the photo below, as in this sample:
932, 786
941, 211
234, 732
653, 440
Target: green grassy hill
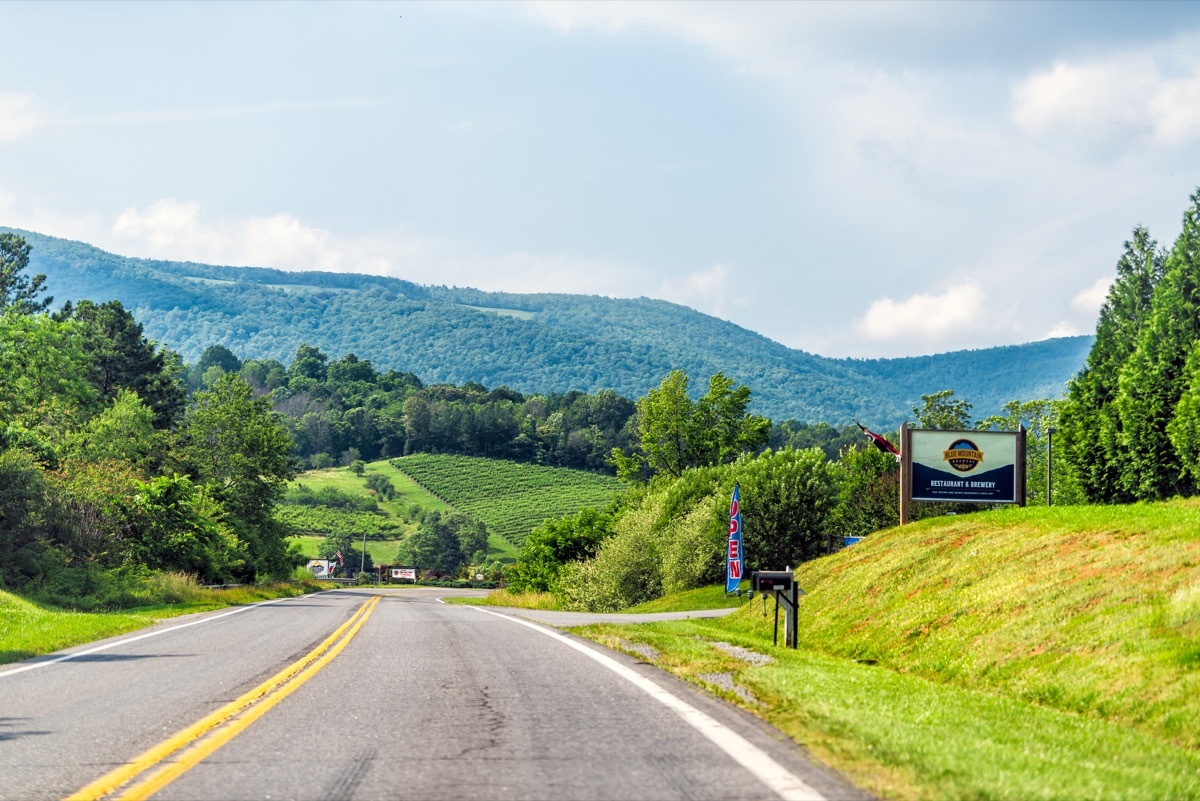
510, 498
1094, 610
531, 343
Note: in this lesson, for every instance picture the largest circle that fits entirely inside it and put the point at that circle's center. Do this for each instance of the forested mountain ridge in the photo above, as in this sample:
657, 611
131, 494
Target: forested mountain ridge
531, 343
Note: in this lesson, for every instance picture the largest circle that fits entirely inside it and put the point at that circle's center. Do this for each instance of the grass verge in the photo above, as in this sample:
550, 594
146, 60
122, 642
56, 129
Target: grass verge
1013, 653
525, 600
687, 601
904, 737
29, 629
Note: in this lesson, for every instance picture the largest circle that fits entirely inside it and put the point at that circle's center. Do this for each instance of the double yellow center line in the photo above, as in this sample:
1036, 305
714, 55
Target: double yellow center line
138, 778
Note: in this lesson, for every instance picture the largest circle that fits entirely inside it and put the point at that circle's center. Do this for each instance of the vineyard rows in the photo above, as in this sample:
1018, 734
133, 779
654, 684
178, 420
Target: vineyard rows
327, 520
509, 497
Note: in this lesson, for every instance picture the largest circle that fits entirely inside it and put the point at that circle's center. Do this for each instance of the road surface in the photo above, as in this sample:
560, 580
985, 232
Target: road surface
377, 694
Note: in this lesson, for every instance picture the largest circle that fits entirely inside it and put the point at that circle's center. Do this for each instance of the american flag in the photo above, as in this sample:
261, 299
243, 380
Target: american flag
878, 441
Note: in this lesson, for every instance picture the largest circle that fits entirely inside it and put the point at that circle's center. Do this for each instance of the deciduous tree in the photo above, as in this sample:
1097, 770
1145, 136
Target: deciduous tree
234, 444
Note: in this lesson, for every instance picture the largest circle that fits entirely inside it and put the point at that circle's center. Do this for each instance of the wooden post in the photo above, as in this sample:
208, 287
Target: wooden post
905, 472
1019, 491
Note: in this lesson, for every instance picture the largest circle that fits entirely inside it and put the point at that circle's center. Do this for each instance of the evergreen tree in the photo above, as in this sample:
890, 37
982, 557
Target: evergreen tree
1184, 428
18, 292
122, 358
1154, 379
1090, 425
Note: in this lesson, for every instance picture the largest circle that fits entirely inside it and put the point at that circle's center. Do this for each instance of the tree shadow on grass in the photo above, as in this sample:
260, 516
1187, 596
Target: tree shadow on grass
14, 656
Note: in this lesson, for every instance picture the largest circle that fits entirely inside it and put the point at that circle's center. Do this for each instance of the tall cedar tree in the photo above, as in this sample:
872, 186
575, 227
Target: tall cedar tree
1090, 425
1154, 379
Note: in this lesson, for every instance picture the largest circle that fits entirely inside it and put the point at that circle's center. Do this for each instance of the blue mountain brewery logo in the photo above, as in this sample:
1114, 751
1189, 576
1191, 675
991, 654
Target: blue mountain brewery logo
963, 455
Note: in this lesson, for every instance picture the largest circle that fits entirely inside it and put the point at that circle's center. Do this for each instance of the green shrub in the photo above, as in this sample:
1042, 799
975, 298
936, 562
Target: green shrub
693, 546
302, 495
626, 569
673, 537
555, 543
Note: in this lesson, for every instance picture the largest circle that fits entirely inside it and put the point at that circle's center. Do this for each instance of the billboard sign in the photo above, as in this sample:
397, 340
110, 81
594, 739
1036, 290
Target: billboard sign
971, 466
320, 568
404, 573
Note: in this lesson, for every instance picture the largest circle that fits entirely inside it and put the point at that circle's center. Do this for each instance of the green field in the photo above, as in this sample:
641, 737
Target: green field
382, 551
1008, 654
509, 497
384, 530
408, 492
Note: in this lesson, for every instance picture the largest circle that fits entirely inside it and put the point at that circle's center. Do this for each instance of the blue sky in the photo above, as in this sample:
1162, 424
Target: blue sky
852, 179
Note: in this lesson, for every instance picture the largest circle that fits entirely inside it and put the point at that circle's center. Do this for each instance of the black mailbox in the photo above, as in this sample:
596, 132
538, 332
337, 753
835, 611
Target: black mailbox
772, 581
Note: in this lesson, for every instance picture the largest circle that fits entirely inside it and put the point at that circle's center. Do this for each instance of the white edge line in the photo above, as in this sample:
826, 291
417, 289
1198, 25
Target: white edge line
782, 781
127, 640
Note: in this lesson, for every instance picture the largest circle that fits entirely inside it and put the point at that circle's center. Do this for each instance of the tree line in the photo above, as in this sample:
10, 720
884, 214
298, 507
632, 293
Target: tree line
115, 456
343, 410
1132, 422
108, 467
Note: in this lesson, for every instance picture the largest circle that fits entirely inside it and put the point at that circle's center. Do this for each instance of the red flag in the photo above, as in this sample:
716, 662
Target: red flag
878, 441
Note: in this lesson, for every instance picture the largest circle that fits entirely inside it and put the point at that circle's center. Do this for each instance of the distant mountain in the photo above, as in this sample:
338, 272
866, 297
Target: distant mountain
531, 343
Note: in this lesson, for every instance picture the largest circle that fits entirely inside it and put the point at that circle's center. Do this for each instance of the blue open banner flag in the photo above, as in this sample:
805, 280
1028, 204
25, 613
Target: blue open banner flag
733, 564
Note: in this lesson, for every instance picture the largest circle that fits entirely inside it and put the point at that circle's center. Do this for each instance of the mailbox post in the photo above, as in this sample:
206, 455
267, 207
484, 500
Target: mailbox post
781, 584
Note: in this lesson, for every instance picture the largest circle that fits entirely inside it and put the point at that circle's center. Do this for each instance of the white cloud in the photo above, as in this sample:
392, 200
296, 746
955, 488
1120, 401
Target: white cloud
1114, 102
712, 290
1089, 301
19, 116
178, 230
924, 317
201, 114
172, 229
1062, 329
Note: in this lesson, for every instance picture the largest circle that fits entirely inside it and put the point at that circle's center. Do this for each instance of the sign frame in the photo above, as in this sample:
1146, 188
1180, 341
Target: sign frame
944, 465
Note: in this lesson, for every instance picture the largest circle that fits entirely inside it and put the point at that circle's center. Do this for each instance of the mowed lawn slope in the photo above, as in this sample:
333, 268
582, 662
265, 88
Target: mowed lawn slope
1093, 610
511, 498
1016, 653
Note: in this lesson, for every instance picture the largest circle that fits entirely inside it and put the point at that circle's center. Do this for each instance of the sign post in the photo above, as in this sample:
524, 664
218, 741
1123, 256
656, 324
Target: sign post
781, 584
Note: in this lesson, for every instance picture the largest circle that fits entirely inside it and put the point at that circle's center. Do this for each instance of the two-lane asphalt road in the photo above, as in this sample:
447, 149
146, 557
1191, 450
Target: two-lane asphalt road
377, 695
